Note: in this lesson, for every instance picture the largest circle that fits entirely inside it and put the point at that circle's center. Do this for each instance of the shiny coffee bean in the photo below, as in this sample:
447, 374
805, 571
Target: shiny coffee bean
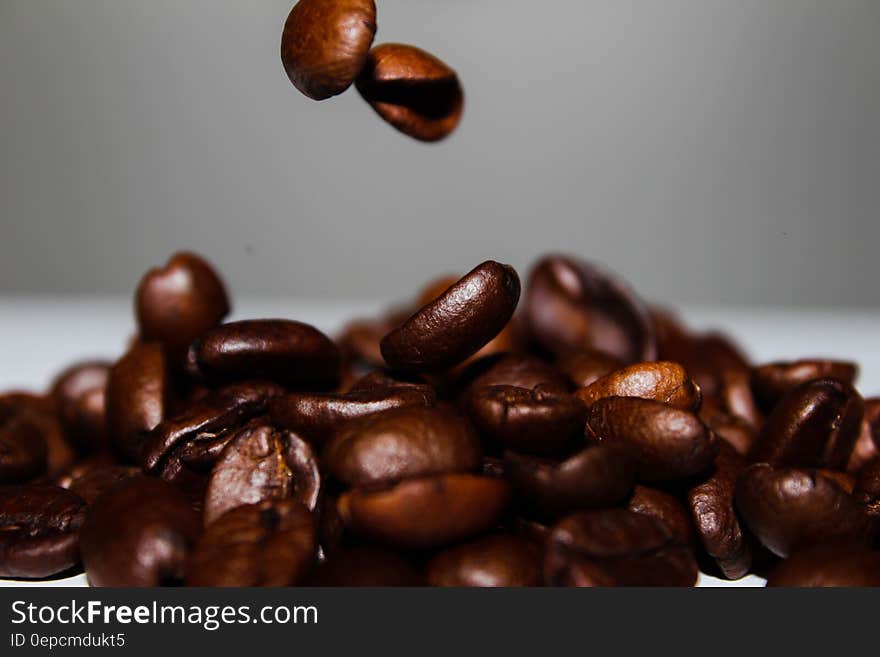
39, 530
137, 398
571, 305
325, 44
399, 444
139, 533
426, 512
668, 443
596, 477
23, 449
499, 560
867, 488
789, 508
517, 370
866, 448
270, 543
712, 508
318, 415
773, 380
177, 303
735, 431
828, 565
92, 477
380, 380
666, 508
707, 357
262, 463
585, 366
365, 565
815, 424
534, 421
79, 394
615, 547
662, 381
412, 90
278, 350
455, 325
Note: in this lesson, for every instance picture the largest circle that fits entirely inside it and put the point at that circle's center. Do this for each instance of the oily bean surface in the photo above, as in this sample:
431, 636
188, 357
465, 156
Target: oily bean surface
662, 381
584, 366
91, 477
831, 565
519, 370
665, 507
773, 380
499, 560
79, 395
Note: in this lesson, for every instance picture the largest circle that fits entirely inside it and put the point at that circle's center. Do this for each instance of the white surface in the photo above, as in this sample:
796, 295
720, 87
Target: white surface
38, 337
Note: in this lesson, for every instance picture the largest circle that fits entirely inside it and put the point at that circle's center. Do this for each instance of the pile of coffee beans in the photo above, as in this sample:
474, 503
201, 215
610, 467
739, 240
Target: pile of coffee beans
579, 438
326, 47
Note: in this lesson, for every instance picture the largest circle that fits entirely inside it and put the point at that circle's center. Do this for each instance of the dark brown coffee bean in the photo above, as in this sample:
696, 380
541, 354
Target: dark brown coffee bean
867, 488
380, 380
365, 566
79, 397
39, 530
359, 341
270, 543
666, 508
773, 380
412, 90
40, 412
616, 547
137, 398
275, 349
500, 560
23, 449
402, 443
517, 370
534, 421
735, 397
828, 565
706, 357
177, 303
457, 324
427, 512
325, 44
571, 305
788, 508
596, 477
815, 424
668, 443
262, 463
711, 505
866, 448
585, 366
318, 415
138, 533
735, 431
90, 478
662, 381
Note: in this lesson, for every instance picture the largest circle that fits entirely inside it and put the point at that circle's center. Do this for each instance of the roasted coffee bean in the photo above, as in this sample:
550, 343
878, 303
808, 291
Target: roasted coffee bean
534, 421
262, 463
666, 508
318, 415
402, 443
571, 305
789, 508
829, 565
867, 488
615, 547
773, 380
270, 543
711, 505
137, 396
500, 560
814, 425
426, 512
866, 447
279, 350
90, 478
79, 394
23, 449
412, 90
706, 357
735, 397
139, 533
325, 44
661, 381
359, 341
365, 565
379, 380
517, 370
177, 303
39, 530
40, 412
668, 443
585, 366
735, 431
455, 325
596, 477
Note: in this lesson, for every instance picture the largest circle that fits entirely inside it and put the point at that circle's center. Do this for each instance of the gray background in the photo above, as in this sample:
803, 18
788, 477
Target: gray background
713, 152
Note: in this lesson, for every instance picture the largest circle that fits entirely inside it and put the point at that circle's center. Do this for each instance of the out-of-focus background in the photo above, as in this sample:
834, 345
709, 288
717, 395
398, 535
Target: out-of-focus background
722, 152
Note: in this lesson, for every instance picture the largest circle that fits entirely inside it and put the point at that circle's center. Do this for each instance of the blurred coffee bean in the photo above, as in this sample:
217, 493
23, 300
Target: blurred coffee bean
773, 380
585, 366
867, 488
91, 477
666, 508
829, 565
662, 381
359, 341
735, 431
499, 560
866, 447
79, 394
40, 412
517, 370
365, 565
23, 449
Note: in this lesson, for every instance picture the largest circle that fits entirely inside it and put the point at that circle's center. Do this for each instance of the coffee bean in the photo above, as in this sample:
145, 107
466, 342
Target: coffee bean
278, 350
517, 370
359, 341
867, 488
177, 303
662, 381
40, 412
585, 366
262, 463
270, 543
665, 507
708, 358
735, 431
325, 44
457, 324
402, 443
494, 561
92, 477
668, 443
535, 421
815, 424
23, 449
39, 530
365, 565
412, 90
828, 565
79, 395
866, 447
789, 508
773, 380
